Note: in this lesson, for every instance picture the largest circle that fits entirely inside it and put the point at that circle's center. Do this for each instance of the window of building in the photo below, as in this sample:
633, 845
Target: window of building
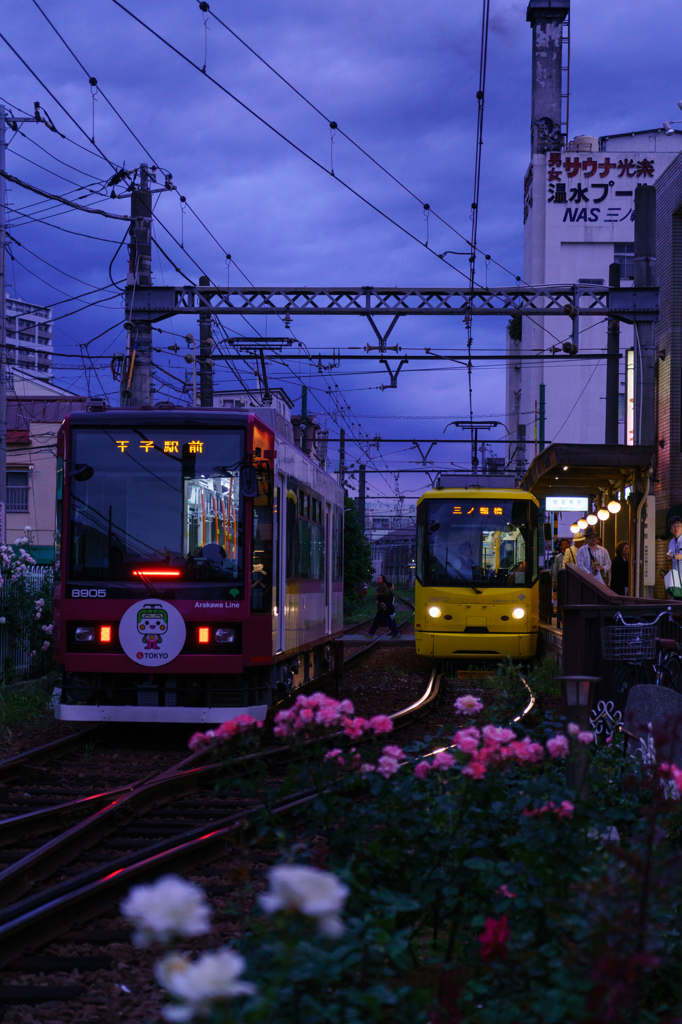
17, 490
624, 255
381, 523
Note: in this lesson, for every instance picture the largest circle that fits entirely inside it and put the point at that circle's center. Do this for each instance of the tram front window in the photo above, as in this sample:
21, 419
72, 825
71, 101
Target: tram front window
163, 500
483, 542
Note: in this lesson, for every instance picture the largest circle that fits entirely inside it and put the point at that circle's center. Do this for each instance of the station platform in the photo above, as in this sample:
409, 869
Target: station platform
551, 640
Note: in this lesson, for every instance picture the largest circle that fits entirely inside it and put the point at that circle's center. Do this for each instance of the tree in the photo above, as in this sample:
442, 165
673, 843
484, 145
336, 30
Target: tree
357, 562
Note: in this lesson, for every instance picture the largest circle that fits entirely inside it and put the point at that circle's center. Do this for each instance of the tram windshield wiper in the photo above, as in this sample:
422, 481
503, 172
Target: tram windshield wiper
462, 576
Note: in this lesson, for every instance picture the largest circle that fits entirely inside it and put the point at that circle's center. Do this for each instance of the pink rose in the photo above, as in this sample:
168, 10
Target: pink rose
443, 760
393, 751
387, 766
585, 737
327, 716
468, 705
422, 769
380, 723
493, 734
354, 727
573, 728
367, 768
336, 752
475, 768
466, 740
558, 746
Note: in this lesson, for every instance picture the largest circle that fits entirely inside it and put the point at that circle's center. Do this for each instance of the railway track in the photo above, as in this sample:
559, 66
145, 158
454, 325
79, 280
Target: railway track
90, 828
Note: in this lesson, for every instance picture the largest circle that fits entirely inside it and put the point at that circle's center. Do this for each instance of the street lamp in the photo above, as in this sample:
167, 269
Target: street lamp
574, 527
603, 514
582, 524
592, 519
613, 506
578, 693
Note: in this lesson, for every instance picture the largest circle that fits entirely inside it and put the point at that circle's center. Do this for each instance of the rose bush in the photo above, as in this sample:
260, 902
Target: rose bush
457, 881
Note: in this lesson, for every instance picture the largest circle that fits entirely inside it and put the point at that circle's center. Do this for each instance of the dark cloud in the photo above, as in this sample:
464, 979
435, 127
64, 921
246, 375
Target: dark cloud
400, 78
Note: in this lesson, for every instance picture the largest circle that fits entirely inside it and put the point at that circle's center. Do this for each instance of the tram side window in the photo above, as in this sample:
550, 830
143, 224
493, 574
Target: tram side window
292, 533
261, 554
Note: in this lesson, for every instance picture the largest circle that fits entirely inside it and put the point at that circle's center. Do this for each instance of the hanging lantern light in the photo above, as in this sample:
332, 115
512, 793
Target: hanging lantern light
582, 524
574, 527
613, 506
592, 519
603, 514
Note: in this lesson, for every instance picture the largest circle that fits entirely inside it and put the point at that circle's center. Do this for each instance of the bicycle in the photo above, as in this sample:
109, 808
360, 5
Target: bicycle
637, 642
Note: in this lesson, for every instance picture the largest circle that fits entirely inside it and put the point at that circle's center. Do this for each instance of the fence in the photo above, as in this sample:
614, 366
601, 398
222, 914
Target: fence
21, 632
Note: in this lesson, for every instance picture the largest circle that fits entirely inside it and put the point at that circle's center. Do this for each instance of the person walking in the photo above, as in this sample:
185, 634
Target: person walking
593, 558
620, 569
385, 608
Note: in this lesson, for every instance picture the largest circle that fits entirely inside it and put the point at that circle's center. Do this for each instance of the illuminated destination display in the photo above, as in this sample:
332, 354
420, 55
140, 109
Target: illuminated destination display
483, 510
169, 447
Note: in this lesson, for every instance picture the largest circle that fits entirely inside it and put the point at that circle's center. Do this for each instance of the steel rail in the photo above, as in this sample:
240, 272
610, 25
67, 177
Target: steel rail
35, 922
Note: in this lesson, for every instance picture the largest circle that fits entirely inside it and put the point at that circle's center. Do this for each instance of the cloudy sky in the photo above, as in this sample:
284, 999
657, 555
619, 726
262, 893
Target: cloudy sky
399, 78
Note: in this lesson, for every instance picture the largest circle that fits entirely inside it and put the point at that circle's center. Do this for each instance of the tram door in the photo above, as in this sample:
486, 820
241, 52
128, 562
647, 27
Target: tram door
328, 523
279, 573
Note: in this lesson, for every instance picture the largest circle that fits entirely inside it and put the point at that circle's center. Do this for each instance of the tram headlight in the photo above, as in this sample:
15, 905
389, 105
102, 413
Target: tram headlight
86, 634
224, 636
434, 611
518, 613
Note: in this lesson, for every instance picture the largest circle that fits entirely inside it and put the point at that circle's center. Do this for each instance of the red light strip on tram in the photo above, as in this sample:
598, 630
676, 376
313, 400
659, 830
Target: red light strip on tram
156, 572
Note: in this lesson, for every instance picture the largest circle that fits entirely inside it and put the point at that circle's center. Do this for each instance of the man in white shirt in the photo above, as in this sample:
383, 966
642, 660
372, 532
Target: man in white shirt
593, 558
571, 553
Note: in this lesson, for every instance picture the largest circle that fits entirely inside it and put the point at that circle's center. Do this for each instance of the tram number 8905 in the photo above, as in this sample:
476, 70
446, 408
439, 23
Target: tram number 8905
88, 593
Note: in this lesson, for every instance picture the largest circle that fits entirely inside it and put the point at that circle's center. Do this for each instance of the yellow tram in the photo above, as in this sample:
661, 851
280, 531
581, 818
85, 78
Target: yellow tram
477, 573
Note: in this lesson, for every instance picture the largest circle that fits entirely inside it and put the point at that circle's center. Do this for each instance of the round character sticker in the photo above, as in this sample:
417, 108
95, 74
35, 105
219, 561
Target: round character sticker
152, 632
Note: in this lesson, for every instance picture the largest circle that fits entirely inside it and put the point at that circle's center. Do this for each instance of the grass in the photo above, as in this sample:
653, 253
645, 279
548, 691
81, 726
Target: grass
23, 705
368, 608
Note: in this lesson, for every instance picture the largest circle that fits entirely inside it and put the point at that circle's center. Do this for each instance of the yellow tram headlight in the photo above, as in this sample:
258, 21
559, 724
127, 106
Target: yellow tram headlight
434, 611
518, 613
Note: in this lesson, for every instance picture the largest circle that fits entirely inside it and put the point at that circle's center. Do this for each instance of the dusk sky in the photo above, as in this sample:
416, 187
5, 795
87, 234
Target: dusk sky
399, 78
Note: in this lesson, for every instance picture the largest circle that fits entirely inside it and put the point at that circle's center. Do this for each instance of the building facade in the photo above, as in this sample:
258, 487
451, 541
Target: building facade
578, 219
35, 411
29, 337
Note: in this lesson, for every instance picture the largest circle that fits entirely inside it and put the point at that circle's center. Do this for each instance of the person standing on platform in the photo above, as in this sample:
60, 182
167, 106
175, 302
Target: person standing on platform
558, 562
593, 558
620, 569
571, 552
674, 553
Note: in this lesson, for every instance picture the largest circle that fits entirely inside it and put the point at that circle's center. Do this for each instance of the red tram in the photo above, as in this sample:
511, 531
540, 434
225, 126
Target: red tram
198, 565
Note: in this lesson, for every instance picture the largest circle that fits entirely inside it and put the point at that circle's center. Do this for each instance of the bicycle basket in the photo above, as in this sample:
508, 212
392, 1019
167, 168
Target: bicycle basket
634, 642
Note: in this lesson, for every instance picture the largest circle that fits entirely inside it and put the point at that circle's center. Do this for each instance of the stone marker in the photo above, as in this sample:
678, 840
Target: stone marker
662, 708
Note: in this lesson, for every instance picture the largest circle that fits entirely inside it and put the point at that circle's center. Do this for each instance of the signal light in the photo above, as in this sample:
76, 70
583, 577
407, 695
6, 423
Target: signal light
105, 634
204, 635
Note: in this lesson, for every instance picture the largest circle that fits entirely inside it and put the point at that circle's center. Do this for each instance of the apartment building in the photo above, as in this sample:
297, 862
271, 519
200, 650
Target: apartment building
29, 337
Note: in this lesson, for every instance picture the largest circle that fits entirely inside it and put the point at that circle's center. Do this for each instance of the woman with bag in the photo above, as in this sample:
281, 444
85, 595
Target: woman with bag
673, 579
620, 569
385, 609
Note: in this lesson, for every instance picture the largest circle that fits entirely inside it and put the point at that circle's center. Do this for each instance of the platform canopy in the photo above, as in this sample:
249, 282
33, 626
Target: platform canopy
582, 469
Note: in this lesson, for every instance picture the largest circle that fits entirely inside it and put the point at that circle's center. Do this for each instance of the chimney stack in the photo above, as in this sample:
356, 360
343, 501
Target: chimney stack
546, 18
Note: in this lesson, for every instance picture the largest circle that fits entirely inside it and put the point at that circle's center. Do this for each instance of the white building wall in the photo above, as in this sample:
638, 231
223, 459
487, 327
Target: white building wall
578, 204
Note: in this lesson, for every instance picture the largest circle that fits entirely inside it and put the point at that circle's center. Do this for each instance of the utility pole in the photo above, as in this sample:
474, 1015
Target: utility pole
342, 459
136, 384
205, 361
541, 419
3, 311
612, 353
645, 366
304, 420
362, 497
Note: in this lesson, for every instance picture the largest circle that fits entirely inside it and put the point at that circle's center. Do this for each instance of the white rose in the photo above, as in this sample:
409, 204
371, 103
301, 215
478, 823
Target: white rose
169, 906
197, 984
316, 893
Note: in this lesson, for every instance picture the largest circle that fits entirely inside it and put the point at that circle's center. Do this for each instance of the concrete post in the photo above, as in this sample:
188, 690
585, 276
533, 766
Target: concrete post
546, 18
136, 385
3, 325
645, 355
342, 459
205, 363
362, 497
612, 368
